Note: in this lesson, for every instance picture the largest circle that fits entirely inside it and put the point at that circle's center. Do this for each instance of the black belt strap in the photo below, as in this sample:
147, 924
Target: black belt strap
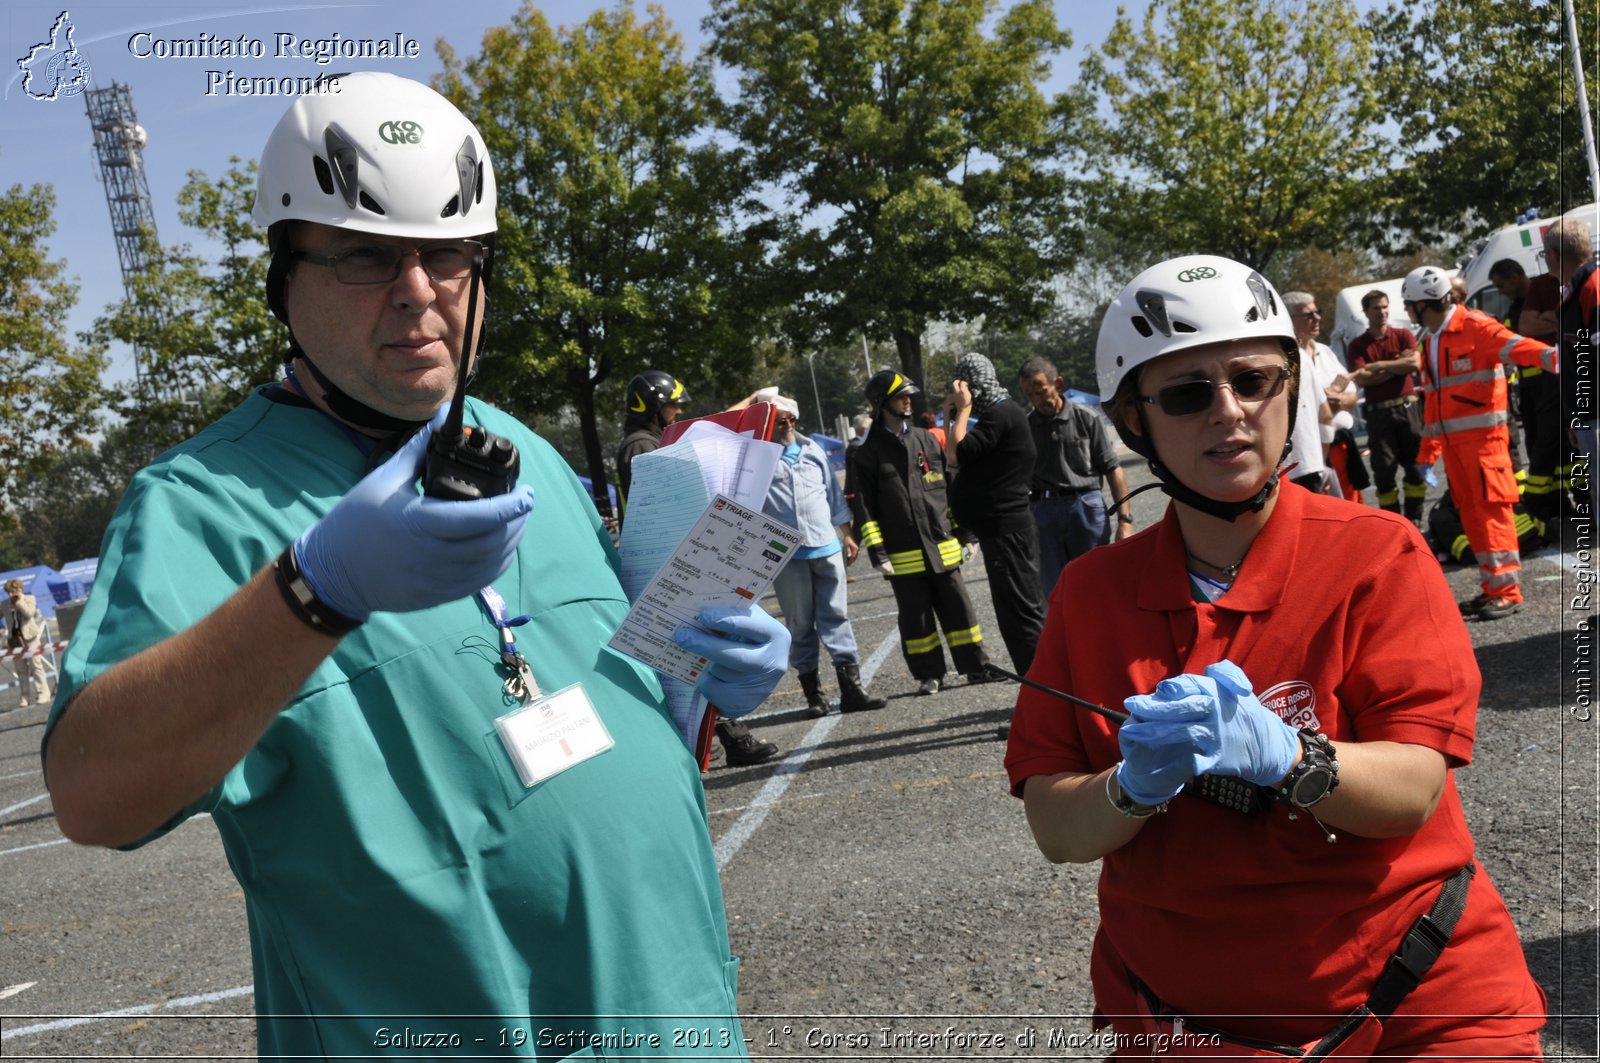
1422, 945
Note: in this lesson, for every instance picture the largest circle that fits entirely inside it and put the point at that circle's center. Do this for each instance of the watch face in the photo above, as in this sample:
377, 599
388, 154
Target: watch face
1311, 787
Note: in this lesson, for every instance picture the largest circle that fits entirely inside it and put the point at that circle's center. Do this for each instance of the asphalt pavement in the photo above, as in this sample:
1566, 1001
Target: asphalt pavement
882, 888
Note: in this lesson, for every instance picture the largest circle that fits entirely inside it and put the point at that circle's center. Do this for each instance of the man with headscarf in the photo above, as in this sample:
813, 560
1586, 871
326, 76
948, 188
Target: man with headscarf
989, 497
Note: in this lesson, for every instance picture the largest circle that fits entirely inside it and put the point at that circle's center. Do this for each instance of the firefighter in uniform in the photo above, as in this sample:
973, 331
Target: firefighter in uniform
896, 483
1465, 418
654, 400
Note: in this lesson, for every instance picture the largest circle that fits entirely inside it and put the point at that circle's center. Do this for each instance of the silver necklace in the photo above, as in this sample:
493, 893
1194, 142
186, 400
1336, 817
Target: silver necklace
1229, 572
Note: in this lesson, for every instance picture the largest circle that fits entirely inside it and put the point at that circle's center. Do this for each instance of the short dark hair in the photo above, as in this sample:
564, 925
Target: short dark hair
1507, 267
1038, 365
1372, 297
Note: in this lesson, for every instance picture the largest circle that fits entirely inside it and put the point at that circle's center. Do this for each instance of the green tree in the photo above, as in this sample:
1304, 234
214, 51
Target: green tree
61, 513
914, 157
1484, 95
49, 386
202, 330
615, 251
1234, 127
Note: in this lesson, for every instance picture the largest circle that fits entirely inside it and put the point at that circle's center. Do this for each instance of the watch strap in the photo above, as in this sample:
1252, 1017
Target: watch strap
1127, 805
312, 611
1319, 755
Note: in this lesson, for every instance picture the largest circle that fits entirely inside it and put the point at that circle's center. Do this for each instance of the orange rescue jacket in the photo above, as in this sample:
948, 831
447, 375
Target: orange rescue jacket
1467, 381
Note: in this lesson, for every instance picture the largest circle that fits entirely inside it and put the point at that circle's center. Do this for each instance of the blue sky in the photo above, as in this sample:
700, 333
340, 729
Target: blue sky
193, 123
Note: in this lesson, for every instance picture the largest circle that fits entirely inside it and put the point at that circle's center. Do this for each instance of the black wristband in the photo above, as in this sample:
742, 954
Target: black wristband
312, 611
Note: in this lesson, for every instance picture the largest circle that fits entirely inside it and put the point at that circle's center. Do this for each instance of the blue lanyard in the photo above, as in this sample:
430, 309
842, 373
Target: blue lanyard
520, 684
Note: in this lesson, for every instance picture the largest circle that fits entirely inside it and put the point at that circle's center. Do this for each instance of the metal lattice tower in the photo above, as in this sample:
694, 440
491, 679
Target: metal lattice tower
119, 144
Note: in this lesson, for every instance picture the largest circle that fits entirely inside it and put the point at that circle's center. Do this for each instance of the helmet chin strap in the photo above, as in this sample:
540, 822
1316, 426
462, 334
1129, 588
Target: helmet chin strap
1179, 491
351, 410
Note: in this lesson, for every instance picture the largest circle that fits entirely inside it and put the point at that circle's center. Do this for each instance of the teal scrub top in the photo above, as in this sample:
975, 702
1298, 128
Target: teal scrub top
407, 895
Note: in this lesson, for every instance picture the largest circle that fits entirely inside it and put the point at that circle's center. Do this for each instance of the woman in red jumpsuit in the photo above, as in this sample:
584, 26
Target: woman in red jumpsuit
1267, 637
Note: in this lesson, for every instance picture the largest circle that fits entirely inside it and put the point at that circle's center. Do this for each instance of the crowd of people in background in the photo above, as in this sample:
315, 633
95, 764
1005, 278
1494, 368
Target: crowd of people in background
1033, 485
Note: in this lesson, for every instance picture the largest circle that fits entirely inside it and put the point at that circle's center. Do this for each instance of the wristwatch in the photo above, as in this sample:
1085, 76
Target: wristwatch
1127, 805
1317, 774
1123, 518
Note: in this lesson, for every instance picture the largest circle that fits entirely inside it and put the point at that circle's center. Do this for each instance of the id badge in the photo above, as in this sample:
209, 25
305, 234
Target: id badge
551, 734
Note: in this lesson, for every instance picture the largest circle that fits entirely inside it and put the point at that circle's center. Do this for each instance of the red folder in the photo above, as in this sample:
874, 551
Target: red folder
755, 420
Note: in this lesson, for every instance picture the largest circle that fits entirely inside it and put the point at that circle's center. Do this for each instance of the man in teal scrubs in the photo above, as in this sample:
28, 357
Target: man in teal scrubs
420, 879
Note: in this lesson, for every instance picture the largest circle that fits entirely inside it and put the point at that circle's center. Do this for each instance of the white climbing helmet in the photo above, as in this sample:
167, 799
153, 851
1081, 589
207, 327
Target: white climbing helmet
383, 154
1183, 303
1425, 283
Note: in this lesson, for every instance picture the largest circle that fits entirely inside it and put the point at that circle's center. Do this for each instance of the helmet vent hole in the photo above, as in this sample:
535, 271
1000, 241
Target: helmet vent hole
286, 199
451, 207
372, 204
1252, 315
479, 197
324, 174
1180, 326
1143, 326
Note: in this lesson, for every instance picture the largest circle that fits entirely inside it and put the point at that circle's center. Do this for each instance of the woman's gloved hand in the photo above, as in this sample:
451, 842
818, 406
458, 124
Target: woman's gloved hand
1252, 743
1199, 724
386, 548
747, 655
1160, 738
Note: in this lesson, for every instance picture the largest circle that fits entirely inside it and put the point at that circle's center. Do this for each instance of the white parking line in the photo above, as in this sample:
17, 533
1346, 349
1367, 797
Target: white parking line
35, 845
122, 1013
23, 804
746, 825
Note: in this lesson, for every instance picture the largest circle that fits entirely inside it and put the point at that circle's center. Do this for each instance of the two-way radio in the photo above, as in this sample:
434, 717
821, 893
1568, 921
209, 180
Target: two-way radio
466, 463
1229, 791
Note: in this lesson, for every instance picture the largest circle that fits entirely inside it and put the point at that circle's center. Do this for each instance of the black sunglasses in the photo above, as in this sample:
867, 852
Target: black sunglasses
380, 264
1256, 384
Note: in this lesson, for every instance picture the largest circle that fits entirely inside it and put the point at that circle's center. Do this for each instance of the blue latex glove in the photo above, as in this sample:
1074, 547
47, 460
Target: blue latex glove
1253, 741
1199, 724
746, 665
1160, 738
386, 548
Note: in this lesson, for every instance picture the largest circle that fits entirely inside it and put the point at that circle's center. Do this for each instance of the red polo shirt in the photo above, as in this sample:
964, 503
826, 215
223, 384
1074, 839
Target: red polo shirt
1224, 914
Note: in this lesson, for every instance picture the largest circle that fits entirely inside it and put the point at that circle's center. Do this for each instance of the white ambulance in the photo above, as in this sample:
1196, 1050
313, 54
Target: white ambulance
1522, 242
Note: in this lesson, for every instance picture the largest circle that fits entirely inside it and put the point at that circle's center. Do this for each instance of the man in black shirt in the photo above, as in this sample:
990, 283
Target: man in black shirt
989, 498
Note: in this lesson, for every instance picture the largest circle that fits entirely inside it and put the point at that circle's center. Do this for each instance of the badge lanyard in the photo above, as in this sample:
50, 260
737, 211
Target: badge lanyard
520, 684
546, 733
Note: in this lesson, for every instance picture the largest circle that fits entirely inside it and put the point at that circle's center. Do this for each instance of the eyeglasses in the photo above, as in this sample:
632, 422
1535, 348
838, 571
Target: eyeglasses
1256, 384
1309, 313
379, 264
785, 422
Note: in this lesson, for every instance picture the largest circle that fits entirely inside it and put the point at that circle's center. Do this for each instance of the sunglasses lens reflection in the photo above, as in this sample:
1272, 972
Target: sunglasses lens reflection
1196, 396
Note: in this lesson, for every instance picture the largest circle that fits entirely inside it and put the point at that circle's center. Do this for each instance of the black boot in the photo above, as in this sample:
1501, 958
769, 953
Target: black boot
816, 704
851, 697
741, 747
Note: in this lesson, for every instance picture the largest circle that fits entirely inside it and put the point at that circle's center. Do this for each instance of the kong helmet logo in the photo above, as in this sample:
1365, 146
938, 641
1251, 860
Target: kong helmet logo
400, 133
1197, 273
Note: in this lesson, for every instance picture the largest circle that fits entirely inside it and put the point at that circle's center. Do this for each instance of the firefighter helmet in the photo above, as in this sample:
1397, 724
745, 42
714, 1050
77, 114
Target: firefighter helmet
653, 389
886, 384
